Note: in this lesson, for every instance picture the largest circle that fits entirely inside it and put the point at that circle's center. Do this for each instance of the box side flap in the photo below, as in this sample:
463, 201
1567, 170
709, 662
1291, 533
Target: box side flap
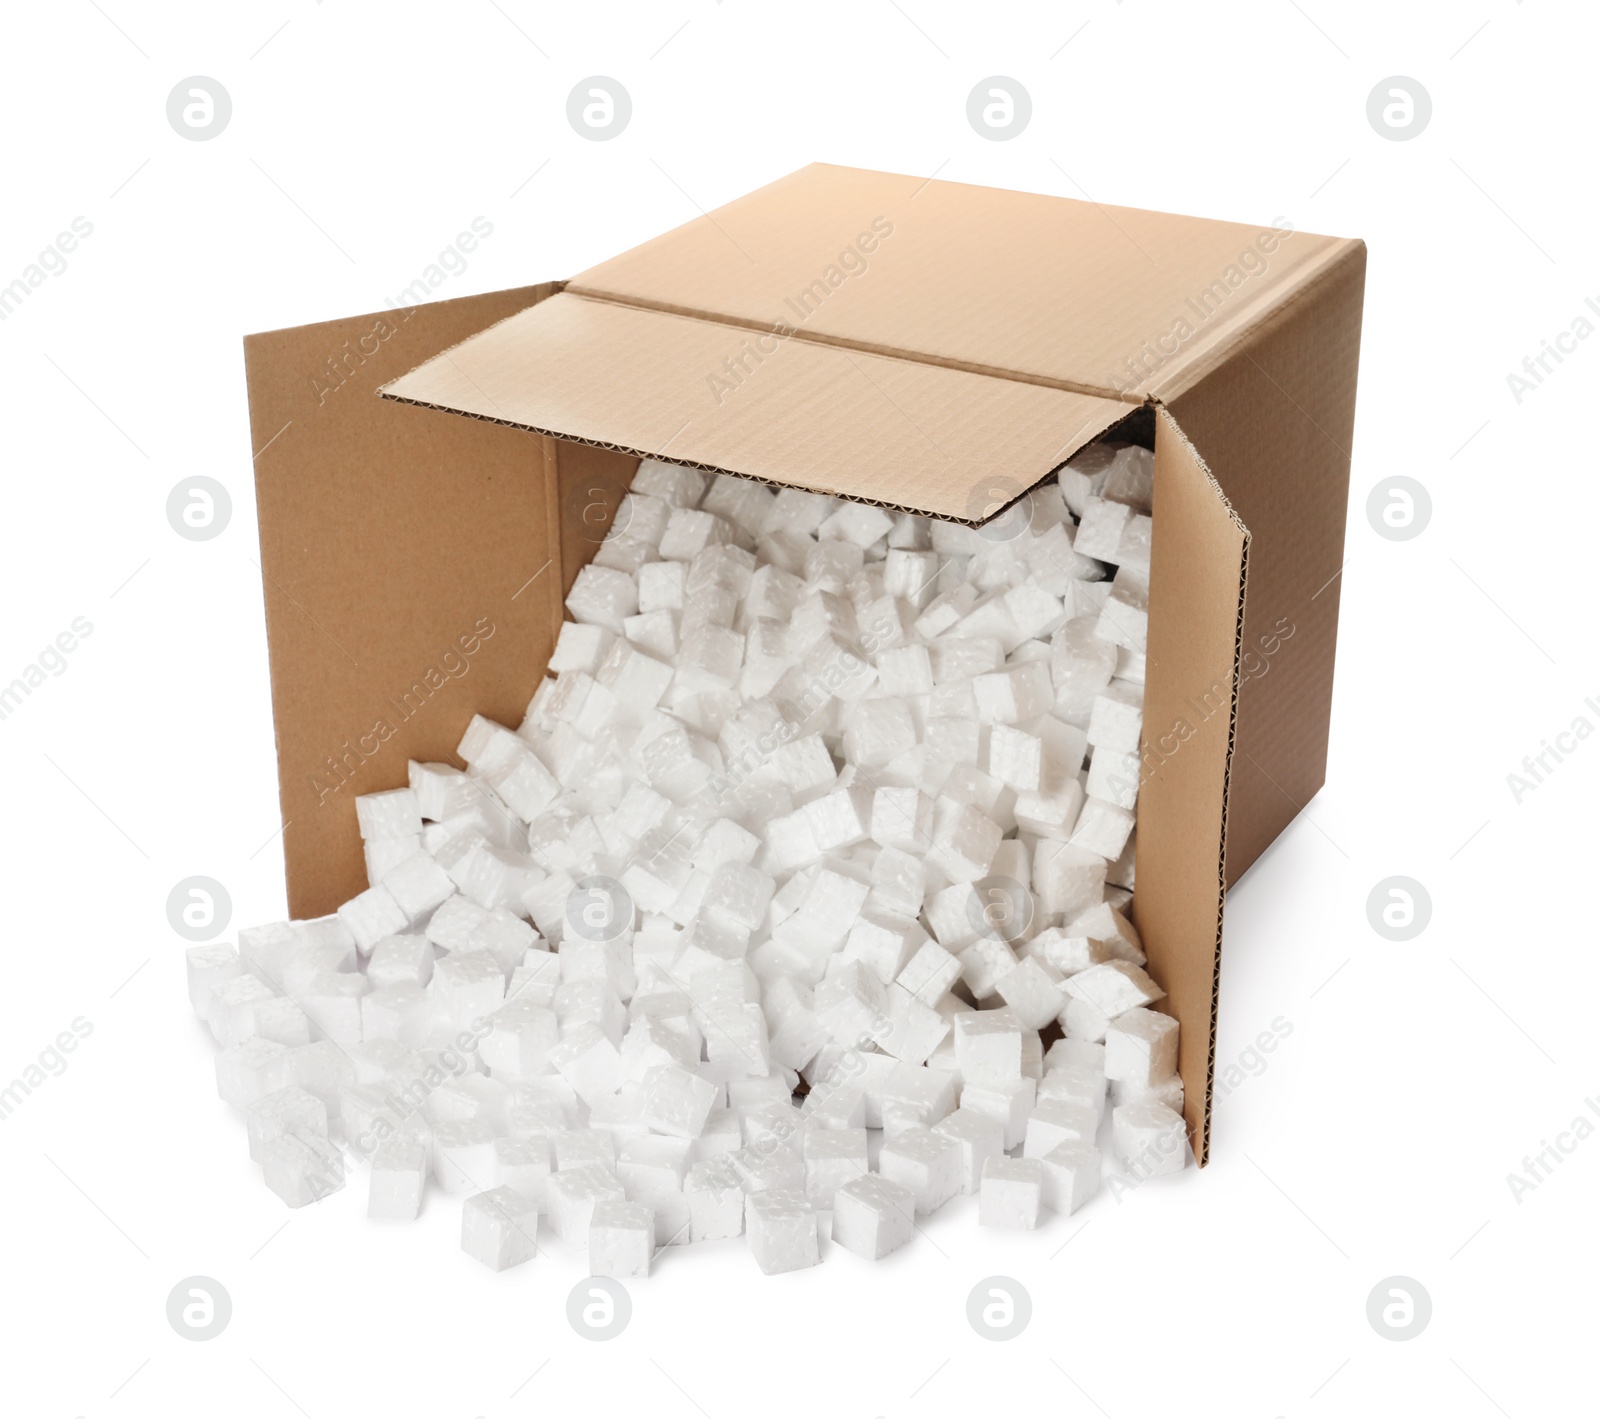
1109, 300
895, 432
382, 646
1274, 425
1197, 596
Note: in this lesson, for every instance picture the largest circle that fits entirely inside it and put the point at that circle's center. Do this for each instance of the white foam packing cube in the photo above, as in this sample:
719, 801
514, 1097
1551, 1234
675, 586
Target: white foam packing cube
250, 1070
1012, 696
291, 1110
394, 813
302, 1168
232, 1005
989, 1046
383, 855
676, 1101
873, 1216
1011, 1193
1114, 778
1031, 993
984, 963
1113, 987
1071, 1176
833, 1156
371, 915
520, 1036
621, 1239
1141, 1048
403, 959
603, 596
1149, 1139
1105, 924
928, 1163
1067, 879
979, 1136
1057, 1121
468, 984
716, 1202
1116, 717
574, 1193
930, 973
398, 1180
463, 1154
1008, 1102
208, 967
1102, 828
499, 1228
781, 1230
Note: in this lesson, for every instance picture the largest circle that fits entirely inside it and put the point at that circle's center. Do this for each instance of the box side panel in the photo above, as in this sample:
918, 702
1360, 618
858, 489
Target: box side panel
879, 429
1197, 570
1274, 426
397, 547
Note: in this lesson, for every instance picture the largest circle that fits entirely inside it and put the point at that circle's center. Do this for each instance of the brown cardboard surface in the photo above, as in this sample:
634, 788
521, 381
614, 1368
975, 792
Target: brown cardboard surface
1197, 576
1274, 425
390, 538
1102, 299
897, 432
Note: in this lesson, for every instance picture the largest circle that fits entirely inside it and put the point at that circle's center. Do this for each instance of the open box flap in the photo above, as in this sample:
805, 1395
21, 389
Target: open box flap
1198, 558
897, 432
1107, 300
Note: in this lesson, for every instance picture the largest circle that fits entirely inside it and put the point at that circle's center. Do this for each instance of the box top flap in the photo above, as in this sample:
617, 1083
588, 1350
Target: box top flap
1107, 300
876, 428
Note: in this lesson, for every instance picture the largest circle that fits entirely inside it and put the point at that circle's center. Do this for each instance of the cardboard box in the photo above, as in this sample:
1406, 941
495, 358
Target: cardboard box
919, 344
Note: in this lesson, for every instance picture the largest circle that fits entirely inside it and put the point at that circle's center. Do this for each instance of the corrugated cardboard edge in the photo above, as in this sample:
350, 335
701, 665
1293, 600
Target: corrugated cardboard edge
1198, 1112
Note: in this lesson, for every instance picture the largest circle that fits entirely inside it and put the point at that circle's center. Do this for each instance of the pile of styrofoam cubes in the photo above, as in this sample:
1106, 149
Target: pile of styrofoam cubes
800, 890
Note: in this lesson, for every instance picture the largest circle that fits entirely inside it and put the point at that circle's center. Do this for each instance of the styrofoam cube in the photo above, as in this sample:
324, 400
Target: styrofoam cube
208, 967
250, 1070
1071, 1176
781, 1230
1141, 1048
372, 915
928, 1163
621, 1239
394, 813
1113, 988
873, 1216
291, 1110
1008, 1102
1011, 1193
833, 1156
979, 1137
1150, 1140
499, 1227
716, 1202
398, 1179
302, 1168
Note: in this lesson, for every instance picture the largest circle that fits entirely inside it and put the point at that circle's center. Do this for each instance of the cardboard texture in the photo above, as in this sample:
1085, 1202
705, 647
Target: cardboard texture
917, 344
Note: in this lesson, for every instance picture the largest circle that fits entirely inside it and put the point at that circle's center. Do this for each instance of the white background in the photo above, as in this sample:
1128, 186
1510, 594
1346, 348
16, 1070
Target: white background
1418, 1075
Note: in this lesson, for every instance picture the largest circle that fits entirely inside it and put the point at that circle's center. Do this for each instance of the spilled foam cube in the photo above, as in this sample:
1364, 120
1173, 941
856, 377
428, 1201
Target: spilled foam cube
928, 1163
873, 1216
1150, 1140
1011, 1193
398, 1179
499, 1228
621, 1239
1071, 1176
781, 1230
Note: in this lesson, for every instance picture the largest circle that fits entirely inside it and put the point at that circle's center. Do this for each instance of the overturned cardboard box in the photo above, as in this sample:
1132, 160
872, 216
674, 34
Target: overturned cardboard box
922, 345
